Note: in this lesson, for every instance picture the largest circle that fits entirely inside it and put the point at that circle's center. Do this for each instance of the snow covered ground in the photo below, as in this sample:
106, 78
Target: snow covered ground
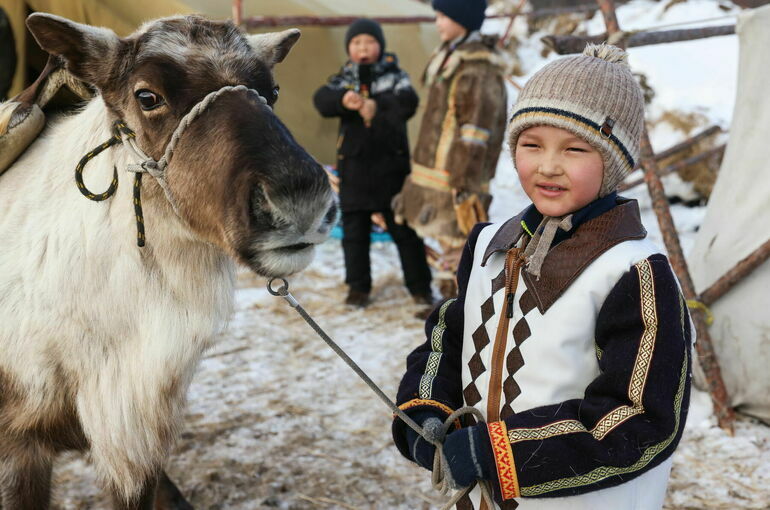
277, 421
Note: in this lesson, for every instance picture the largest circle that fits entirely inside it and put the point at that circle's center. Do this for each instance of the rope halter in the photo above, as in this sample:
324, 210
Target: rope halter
121, 133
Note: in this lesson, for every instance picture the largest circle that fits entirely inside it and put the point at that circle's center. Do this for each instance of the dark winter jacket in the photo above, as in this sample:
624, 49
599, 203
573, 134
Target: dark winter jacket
372, 162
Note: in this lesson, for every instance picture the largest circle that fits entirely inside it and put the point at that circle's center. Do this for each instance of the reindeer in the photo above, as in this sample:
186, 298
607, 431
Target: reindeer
99, 337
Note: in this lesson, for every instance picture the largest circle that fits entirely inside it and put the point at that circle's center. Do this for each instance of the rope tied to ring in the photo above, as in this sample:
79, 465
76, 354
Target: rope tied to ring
441, 479
121, 133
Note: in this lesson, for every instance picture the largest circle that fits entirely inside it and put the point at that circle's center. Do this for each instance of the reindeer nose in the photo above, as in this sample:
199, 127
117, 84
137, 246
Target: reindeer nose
330, 218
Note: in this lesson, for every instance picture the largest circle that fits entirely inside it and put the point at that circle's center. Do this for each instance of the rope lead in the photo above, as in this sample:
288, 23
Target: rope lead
440, 465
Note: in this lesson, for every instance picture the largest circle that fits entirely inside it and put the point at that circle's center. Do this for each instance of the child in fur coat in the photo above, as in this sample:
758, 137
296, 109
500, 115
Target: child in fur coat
569, 333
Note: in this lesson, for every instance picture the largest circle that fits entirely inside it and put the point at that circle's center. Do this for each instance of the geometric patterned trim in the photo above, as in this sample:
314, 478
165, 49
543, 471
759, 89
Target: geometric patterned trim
434, 358
506, 467
636, 386
604, 472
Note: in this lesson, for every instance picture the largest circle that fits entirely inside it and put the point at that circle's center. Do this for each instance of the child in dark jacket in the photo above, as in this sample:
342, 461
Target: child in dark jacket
374, 99
569, 334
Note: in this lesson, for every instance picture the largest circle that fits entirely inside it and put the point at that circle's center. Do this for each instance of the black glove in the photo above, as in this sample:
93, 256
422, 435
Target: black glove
422, 451
465, 456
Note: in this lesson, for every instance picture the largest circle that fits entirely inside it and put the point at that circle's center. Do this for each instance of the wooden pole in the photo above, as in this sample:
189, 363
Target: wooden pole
685, 144
237, 12
704, 347
676, 167
741, 270
504, 39
567, 44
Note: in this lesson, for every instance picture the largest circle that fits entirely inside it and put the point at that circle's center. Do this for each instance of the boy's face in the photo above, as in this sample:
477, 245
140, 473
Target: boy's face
364, 49
560, 172
448, 29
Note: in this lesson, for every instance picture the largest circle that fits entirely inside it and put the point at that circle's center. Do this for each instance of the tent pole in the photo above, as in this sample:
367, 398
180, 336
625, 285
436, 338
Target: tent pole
741, 270
704, 346
237, 12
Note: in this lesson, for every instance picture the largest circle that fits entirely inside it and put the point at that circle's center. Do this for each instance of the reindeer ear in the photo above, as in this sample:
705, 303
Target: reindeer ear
273, 47
88, 51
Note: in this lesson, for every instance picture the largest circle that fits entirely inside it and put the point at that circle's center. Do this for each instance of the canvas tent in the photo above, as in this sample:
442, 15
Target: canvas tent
736, 224
318, 54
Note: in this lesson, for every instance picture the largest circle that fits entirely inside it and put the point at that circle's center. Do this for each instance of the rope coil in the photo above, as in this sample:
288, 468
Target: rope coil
441, 476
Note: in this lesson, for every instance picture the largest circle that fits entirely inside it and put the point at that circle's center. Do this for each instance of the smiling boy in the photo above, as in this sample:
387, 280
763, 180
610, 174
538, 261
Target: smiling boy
569, 333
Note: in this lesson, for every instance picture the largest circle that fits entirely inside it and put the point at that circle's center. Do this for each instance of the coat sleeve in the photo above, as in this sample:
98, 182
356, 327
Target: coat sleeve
399, 104
478, 96
432, 381
328, 101
631, 416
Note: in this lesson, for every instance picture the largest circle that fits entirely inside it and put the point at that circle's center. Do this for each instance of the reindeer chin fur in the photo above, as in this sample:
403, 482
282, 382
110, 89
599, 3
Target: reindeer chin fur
281, 262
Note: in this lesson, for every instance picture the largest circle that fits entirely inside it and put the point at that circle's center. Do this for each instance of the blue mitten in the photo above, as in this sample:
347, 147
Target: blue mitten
465, 457
422, 451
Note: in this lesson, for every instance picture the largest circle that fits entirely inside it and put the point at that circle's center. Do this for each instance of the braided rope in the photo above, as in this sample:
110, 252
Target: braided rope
157, 169
97, 197
194, 112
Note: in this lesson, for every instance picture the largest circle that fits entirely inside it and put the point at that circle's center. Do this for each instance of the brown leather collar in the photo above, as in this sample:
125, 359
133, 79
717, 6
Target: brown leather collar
567, 260
505, 238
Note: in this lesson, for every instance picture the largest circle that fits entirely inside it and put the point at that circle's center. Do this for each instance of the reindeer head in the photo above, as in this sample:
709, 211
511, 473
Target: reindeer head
239, 179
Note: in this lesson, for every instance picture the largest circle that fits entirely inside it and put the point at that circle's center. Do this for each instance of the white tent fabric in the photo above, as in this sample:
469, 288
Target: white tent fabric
736, 224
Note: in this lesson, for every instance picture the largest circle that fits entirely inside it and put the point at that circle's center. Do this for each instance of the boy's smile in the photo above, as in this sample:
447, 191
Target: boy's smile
560, 172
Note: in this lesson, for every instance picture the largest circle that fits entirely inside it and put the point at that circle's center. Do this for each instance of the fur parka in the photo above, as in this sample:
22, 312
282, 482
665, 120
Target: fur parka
460, 136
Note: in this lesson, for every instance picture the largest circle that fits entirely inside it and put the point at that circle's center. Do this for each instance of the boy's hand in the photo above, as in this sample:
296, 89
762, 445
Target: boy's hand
421, 450
352, 100
334, 181
463, 454
368, 111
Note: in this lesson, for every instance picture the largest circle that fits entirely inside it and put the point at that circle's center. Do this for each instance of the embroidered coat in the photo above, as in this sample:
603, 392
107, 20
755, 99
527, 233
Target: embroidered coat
372, 161
583, 375
460, 136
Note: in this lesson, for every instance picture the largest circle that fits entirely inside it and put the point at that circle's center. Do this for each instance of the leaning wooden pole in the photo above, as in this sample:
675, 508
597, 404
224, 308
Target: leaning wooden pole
676, 167
567, 44
704, 346
741, 270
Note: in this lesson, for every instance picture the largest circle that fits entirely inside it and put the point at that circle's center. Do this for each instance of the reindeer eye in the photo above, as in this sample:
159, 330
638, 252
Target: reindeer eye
149, 100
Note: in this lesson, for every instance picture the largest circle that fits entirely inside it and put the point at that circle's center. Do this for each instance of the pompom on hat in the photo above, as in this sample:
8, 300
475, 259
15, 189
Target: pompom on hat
594, 96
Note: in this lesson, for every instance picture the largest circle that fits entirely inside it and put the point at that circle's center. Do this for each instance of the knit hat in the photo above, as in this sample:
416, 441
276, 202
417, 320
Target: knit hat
365, 26
468, 13
595, 97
